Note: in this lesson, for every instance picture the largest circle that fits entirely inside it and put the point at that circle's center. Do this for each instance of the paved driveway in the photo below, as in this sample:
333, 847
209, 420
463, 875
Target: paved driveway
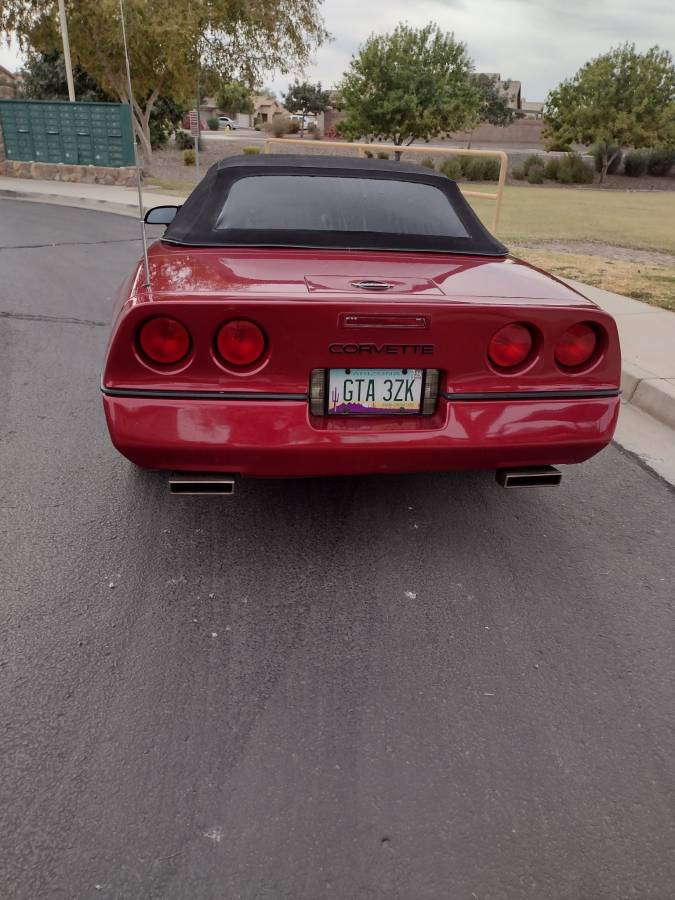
399, 687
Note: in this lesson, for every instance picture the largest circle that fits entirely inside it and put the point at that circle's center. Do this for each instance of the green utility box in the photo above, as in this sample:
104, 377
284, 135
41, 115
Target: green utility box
85, 134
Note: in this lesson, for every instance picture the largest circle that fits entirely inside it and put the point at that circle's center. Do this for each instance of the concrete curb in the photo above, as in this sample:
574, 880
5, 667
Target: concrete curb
641, 388
655, 396
121, 208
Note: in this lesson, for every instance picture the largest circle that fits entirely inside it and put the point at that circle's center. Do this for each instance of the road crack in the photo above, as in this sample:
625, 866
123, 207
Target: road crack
69, 244
63, 320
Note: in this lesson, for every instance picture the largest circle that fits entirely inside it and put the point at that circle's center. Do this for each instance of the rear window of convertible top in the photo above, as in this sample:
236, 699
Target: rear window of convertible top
315, 203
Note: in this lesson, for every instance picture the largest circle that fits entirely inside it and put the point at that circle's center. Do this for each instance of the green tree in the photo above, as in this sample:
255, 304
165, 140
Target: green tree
44, 78
493, 106
169, 41
234, 97
303, 98
620, 99
410, 84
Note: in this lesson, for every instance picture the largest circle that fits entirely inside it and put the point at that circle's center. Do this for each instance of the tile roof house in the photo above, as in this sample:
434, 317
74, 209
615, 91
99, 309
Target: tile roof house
10, 84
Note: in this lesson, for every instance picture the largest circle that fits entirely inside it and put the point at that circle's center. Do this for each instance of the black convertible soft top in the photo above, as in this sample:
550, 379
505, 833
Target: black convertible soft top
329, 202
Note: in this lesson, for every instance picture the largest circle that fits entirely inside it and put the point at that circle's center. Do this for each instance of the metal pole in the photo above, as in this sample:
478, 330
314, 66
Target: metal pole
66, 51
146, 266
198, 126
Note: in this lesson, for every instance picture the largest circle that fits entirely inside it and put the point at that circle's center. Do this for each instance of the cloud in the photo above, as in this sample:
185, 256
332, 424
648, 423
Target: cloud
538, 42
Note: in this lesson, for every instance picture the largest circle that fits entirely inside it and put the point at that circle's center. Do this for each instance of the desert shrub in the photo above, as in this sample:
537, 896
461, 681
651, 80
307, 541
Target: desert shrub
533, 161
316, 134
185, 141
518, 172
552, 167
213, 124
536, 175
573, 170
565, 175
491, 169
660, 161
428, 163
635, 163
250, 151
559, 147
382, 154
452, 168
368, 154
293, 126
615, 164
188, 157
480, 168
280, 126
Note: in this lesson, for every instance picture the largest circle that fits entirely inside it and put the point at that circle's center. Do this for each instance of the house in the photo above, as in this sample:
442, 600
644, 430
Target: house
533, 109
265, 108
10, 84
509, 89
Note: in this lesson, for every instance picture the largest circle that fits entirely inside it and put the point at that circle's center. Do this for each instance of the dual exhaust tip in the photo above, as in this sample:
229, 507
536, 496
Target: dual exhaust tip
194, 483
199, 483
530, 476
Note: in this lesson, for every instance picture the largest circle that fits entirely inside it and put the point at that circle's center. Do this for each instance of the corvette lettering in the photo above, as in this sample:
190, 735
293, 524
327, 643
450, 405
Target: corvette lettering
384, 349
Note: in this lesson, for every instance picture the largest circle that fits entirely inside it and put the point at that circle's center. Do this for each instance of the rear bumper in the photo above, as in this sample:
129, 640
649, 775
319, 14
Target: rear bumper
280, 439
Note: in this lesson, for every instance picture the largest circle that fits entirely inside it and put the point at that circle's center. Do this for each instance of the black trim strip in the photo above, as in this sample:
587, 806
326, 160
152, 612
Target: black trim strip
200, 395
534, 395
260, 395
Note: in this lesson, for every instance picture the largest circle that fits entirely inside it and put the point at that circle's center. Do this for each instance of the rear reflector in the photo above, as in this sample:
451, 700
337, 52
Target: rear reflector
577, 346
240, 343
164, 340
510, 346
317, 392
432, 378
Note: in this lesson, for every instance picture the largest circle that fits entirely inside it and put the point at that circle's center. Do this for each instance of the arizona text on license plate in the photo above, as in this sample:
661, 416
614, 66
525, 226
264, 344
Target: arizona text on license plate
375, 391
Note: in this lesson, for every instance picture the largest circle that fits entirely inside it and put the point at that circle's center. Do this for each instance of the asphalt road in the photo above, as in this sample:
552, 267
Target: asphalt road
397, 687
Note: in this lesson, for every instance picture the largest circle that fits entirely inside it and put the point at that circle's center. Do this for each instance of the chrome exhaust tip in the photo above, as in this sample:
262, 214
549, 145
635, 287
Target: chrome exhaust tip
193, 483
530, 476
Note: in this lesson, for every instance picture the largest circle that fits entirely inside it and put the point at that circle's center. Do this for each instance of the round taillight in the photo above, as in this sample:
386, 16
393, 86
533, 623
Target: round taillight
240, 342
164, 340
576, 347
510, 346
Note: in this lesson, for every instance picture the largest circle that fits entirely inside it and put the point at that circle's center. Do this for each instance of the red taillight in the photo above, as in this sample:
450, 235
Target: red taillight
576, 346
240, 343
164, 341
510, 346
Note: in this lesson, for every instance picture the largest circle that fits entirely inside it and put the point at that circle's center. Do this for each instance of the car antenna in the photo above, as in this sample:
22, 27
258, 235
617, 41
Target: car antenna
146, 266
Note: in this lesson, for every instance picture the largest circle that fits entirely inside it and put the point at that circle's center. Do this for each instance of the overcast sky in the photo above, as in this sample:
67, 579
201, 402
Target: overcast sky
537, 42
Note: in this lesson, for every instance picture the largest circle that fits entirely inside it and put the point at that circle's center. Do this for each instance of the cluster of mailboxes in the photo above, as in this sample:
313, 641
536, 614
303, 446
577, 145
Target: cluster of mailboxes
89, 134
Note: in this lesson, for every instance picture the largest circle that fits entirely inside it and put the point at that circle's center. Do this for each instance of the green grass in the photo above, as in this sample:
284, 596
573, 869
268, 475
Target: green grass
644, 220
177, 186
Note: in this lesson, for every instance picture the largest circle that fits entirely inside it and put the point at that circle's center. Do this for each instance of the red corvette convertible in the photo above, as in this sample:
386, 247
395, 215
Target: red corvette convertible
313, 316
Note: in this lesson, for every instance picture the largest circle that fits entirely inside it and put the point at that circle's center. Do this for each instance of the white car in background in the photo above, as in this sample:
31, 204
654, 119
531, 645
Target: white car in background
227, 123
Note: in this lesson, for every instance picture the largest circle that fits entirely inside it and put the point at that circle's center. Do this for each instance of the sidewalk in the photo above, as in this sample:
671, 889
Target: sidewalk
105, 198
647, 333
647, 336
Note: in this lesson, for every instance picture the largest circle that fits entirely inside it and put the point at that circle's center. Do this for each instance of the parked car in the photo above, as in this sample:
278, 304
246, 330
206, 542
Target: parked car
337, 316
227, 123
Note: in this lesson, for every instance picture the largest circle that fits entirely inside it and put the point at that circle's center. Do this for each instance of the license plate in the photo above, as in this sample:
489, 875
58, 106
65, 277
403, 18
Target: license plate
367, 392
